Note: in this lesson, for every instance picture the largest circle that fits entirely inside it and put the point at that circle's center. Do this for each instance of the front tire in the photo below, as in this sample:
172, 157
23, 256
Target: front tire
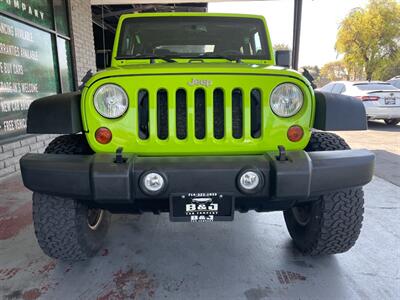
65, 228
332, 224
392, 122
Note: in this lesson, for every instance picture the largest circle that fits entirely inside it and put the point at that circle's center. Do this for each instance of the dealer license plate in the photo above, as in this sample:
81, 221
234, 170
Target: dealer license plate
201, 207
390, 101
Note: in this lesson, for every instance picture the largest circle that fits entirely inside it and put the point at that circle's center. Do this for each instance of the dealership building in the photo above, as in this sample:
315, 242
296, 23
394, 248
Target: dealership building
48, 47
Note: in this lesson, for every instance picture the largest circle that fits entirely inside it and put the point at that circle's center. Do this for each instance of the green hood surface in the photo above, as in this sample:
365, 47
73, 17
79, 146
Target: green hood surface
195, 68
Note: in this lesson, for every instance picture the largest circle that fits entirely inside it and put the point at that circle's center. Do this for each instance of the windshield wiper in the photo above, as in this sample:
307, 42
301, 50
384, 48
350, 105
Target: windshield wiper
233, 59
151, 57
170, 60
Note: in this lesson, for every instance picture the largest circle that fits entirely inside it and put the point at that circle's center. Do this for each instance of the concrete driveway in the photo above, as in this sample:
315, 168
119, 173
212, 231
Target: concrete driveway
147, 257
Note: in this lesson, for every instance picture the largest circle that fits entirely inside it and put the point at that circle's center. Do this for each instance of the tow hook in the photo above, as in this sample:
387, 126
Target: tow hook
282, 153
119, 159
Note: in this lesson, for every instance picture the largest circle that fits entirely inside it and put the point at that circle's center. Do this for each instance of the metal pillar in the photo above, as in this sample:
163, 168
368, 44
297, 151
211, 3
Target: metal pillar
298, 6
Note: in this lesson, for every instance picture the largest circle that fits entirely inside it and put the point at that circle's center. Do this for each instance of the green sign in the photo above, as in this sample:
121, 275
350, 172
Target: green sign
27, 72
37, 11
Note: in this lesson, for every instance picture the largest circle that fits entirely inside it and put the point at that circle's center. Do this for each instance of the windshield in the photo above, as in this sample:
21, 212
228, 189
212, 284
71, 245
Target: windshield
375, 86
193, 37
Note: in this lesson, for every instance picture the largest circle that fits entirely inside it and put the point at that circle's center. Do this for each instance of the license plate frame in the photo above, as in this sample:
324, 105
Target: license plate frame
202, 207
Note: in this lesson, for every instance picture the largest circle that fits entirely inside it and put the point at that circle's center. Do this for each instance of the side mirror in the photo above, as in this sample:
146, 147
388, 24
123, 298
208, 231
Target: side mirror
283, 58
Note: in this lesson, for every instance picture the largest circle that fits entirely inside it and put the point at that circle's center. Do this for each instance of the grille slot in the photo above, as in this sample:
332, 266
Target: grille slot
219, 117
237, 114
200, 114
162, 114
143, 114
256, 114
181, 114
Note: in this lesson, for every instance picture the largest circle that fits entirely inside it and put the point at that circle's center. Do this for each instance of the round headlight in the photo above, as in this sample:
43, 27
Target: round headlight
110, 101
286, 100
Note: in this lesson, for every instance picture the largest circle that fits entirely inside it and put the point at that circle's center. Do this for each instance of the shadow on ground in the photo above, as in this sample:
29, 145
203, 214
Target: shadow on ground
381, 126
387, 166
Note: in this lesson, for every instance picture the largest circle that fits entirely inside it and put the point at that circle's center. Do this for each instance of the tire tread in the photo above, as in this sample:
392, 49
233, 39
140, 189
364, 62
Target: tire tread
56, 227
338, 216
341, 222
60, 224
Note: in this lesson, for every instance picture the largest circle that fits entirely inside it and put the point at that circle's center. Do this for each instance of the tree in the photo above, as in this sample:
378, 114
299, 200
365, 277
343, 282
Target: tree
389, 68
334, 71
370, 37
314, 70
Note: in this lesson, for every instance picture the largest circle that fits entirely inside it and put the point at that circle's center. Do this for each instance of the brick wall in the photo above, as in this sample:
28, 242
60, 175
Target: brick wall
11, 153
82, 37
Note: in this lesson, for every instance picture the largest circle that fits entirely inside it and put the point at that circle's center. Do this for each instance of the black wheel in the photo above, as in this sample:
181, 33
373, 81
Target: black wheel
332, 224
392, 122
68, 229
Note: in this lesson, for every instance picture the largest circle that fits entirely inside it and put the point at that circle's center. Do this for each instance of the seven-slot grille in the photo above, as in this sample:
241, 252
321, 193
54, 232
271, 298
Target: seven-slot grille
190, 113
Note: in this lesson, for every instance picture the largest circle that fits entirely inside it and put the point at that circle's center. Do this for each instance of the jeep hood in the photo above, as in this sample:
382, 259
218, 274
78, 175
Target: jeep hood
194, 69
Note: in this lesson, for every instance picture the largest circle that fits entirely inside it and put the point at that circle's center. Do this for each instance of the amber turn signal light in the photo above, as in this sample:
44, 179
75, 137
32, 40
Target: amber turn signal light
295, 133
103, 135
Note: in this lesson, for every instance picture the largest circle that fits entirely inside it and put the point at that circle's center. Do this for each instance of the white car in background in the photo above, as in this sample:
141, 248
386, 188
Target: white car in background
381, 99
395, 81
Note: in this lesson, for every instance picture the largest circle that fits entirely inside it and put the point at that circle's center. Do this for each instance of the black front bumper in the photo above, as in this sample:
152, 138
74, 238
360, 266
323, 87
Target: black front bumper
103, 183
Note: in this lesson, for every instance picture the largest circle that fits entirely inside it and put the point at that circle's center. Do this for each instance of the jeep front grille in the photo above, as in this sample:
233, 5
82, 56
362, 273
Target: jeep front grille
192, 113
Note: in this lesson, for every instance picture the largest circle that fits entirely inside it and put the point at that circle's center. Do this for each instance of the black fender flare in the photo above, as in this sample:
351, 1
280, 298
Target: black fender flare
57, 114
339, 112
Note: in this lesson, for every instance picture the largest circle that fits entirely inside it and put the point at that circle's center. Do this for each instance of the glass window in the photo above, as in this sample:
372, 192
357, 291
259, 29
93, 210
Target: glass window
328, 88
374, 86
257, 42
61, 17
193, 37
65, 65
35, 61
338, 88
395, 83
28, 71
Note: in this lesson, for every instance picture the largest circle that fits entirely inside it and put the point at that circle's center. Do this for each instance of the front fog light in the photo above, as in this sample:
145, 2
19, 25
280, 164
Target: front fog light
153, 183
250, 181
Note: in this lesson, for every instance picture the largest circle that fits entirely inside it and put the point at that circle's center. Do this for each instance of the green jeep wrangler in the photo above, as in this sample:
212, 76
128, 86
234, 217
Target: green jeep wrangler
199, 118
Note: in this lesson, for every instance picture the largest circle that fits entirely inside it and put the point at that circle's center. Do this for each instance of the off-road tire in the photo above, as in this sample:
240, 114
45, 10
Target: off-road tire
62, 229
392, 122
69, 144
334, 221
326, 141
61, 224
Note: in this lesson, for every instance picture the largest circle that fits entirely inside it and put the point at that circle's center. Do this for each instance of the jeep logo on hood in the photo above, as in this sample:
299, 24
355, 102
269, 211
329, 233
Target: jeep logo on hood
198, 82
